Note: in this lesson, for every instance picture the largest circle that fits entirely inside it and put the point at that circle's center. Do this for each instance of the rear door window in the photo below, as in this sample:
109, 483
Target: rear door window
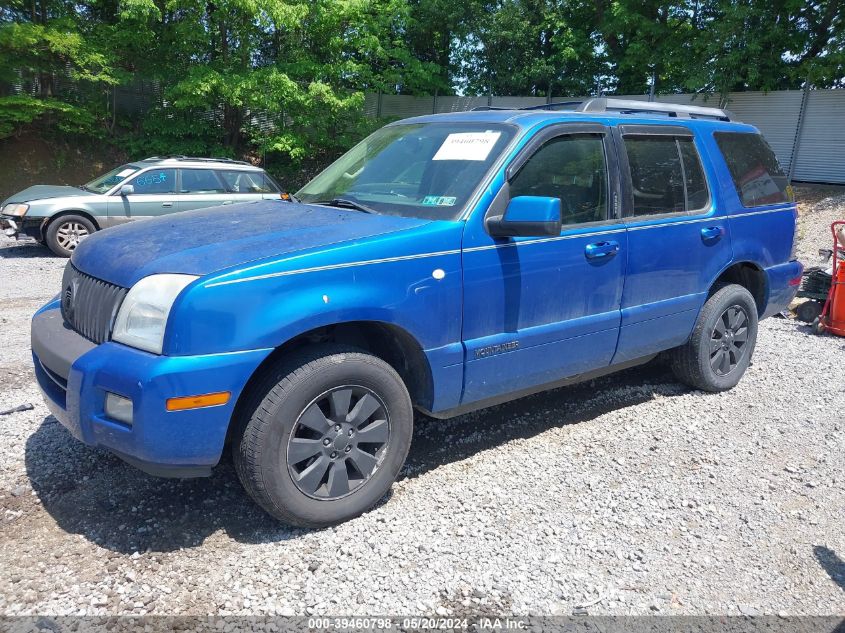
240, 181
200, 181
755, 171
666, 175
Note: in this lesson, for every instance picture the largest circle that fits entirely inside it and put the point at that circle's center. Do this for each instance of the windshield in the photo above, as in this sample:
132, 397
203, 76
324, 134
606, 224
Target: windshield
109, 180
422, 170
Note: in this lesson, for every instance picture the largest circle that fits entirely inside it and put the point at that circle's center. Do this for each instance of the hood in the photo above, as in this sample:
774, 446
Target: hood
212, 239
40, 192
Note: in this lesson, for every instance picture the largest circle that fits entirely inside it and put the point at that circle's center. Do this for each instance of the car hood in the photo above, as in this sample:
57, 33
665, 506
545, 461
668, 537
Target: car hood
213, 239
41, 192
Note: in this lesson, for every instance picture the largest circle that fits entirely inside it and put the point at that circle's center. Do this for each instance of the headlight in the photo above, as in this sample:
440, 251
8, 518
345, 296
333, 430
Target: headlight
143, 315
16, 209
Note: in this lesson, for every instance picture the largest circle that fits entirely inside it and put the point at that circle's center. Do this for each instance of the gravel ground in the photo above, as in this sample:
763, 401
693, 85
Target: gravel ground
814, 224
630, 494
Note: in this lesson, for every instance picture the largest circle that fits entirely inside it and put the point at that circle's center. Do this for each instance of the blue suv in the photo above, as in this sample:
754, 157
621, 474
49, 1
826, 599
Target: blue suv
445, 263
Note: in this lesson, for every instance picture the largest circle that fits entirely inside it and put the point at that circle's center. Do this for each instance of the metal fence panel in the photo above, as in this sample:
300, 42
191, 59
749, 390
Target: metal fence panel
459, 104
517, 102
403, 106
820, 155
371, 100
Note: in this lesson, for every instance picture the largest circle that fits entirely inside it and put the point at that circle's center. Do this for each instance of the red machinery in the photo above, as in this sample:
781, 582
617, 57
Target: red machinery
832, 318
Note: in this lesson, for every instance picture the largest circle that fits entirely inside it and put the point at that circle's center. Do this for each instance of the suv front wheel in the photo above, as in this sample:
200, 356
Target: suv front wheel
66, 232
324, 436
719, 351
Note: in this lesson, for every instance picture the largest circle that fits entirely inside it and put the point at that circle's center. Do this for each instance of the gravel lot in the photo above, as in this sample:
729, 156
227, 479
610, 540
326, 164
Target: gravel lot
630, 494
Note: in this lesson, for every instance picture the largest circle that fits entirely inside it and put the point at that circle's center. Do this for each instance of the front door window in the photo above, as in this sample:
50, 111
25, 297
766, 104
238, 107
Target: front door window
572, 168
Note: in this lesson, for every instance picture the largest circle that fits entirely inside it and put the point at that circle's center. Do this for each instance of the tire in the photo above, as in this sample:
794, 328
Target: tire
65, 232
809, 311
699, 363
292, 459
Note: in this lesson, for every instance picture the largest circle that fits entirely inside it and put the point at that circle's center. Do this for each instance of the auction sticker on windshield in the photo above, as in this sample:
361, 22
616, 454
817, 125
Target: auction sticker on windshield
467, 146
439, 201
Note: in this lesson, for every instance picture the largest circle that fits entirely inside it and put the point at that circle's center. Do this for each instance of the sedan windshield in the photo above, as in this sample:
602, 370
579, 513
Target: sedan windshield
422, 170
109, 180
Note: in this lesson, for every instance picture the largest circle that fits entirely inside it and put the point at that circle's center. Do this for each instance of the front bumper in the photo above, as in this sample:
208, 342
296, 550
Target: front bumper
10, 226
74, 375
15, 226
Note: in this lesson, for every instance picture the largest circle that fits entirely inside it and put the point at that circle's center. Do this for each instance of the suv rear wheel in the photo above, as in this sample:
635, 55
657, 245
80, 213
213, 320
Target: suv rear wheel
66, 232
324, 436
722, 342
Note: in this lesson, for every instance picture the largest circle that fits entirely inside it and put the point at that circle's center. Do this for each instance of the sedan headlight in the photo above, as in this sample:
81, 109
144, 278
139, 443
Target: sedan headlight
143, 315
18, 210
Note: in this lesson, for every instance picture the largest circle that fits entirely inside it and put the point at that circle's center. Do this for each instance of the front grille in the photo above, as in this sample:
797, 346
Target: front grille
89, 305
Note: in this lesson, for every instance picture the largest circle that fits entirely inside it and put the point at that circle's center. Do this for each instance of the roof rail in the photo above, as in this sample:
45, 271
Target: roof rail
553, 104
604, 104
199, 159
540, 106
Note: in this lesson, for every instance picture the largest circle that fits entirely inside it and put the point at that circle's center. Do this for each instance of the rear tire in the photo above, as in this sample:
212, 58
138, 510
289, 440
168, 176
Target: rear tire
66, 232
323, 436
722, 342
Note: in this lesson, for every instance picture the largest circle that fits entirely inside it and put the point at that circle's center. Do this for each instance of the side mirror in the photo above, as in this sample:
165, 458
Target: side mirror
527, 216
127, 190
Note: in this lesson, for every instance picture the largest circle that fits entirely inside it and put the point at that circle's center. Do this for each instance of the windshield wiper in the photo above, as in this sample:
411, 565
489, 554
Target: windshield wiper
345, 203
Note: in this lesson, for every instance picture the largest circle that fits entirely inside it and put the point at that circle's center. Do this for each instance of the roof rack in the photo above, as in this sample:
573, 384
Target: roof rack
625, 106
199, 159
541, 106
555, 104
628, 106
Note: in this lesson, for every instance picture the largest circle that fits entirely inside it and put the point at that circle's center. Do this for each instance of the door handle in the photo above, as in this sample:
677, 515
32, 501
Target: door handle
599, 250
228, 201
712, 233
167, 204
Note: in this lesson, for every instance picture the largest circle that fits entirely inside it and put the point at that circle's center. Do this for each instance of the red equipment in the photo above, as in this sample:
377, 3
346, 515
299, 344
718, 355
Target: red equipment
832, 318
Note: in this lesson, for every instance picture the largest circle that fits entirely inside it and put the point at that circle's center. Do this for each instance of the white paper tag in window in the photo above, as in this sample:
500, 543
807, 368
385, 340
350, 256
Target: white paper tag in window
467, 146
125, 173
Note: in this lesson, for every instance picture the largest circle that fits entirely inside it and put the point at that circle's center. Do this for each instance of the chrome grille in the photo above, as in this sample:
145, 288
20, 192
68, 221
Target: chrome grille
89, 305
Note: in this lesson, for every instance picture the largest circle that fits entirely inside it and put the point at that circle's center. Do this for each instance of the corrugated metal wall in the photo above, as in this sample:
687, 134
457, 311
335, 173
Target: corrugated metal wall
818, 147
820, 156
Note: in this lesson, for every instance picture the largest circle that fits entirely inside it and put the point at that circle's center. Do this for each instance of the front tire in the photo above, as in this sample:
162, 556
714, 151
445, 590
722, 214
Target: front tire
324, 436
722, 342
66, 232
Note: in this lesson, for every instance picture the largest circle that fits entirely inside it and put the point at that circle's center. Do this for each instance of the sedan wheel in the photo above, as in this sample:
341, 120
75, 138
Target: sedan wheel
70, 234
65, 233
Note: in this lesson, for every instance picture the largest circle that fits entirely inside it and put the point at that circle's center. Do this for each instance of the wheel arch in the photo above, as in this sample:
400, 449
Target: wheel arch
750, 276
387, 341
64, 212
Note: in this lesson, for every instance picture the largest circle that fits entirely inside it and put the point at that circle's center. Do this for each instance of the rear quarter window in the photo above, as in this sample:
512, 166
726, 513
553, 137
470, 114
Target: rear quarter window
241, 181
754, 169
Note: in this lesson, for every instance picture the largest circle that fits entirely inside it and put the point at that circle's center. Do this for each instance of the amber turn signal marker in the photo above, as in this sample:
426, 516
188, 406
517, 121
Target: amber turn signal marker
196, 402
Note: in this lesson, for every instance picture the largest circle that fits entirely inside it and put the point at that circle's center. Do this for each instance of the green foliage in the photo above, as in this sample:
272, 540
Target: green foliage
19, 111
